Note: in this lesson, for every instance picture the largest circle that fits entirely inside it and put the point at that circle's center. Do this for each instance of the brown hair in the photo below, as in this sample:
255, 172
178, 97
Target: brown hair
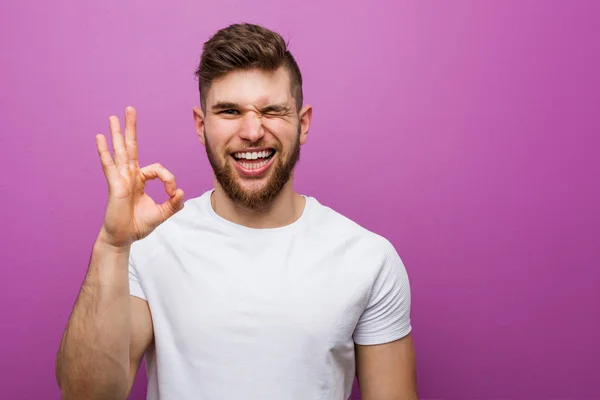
243, 47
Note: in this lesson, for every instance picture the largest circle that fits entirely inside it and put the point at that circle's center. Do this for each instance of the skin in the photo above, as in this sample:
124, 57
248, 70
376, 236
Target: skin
261, 113
387, 371
109, 331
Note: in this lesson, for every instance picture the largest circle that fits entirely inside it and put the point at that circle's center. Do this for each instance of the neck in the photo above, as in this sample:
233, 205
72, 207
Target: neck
286, 208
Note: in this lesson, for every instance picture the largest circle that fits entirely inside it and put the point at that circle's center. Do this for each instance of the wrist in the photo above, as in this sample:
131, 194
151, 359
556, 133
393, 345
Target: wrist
105, 243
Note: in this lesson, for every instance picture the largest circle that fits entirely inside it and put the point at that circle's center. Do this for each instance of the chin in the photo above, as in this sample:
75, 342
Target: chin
252, 187
256, 189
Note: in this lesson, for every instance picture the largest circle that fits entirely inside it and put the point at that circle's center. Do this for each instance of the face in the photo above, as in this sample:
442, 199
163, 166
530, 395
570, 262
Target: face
252, 132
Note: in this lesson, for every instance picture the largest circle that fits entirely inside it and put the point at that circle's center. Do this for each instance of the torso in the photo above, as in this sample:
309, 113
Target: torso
239, 315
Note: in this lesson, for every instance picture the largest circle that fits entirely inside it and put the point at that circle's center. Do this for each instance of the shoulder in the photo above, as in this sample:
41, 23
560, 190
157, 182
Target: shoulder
335, 226
367, 256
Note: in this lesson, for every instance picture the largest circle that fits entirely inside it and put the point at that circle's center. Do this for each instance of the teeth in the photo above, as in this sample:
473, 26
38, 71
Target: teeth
251, 166
253, 155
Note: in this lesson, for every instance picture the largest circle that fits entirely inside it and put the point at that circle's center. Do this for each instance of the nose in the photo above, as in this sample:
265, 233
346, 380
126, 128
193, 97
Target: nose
252, 128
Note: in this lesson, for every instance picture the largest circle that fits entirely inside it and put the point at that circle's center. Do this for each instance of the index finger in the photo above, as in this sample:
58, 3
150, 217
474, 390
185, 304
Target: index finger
131, 136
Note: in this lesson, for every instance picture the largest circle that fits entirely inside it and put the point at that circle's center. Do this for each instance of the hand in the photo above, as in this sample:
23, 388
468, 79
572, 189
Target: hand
131, 214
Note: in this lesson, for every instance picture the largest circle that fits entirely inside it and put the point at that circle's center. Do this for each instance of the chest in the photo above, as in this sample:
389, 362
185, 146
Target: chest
253, 295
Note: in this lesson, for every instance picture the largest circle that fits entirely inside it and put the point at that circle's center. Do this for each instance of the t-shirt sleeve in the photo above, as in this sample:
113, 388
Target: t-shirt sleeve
387, 314
135, 285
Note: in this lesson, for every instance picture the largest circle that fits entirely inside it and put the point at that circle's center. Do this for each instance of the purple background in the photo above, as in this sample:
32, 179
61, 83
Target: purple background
465, 132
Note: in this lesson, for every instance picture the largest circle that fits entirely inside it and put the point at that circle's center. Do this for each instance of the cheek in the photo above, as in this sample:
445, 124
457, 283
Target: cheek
220, 132
222, 127
276, 125
283, 131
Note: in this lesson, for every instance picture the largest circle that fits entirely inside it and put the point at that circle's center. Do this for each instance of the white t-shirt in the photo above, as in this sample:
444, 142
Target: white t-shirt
255, 314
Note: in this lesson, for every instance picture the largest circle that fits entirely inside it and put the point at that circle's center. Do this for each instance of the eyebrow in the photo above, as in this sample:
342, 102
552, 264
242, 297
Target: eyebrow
223, 105
274, 108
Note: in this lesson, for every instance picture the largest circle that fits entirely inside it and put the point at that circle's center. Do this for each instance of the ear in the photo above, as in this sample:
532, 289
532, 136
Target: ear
199, 122
305, 119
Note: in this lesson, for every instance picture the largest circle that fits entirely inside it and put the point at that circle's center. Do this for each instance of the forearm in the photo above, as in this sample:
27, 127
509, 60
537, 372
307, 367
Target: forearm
93, 358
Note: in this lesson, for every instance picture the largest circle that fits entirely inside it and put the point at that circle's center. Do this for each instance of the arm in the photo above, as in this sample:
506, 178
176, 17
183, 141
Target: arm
107, 333
385, 356
108, 330
387, 371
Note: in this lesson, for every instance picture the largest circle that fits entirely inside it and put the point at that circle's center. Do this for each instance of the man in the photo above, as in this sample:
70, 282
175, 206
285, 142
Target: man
250, 291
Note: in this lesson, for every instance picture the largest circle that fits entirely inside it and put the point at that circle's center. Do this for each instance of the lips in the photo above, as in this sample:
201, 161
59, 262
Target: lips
253, 164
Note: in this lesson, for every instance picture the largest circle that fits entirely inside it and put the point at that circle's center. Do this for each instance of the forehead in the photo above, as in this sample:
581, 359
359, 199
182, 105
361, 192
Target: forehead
251, 87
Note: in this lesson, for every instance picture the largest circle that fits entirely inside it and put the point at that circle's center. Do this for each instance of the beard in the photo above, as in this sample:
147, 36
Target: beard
261, 198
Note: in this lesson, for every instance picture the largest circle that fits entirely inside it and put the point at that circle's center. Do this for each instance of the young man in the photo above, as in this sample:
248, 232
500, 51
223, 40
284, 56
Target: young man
250, 291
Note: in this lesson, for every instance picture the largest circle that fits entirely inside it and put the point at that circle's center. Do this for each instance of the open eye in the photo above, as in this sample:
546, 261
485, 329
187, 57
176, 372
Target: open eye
230, 111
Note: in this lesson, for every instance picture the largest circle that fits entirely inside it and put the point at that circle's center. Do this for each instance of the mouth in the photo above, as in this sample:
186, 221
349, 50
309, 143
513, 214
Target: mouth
255, 162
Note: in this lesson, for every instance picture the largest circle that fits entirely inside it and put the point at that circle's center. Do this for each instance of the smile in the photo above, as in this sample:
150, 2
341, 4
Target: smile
253, 162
